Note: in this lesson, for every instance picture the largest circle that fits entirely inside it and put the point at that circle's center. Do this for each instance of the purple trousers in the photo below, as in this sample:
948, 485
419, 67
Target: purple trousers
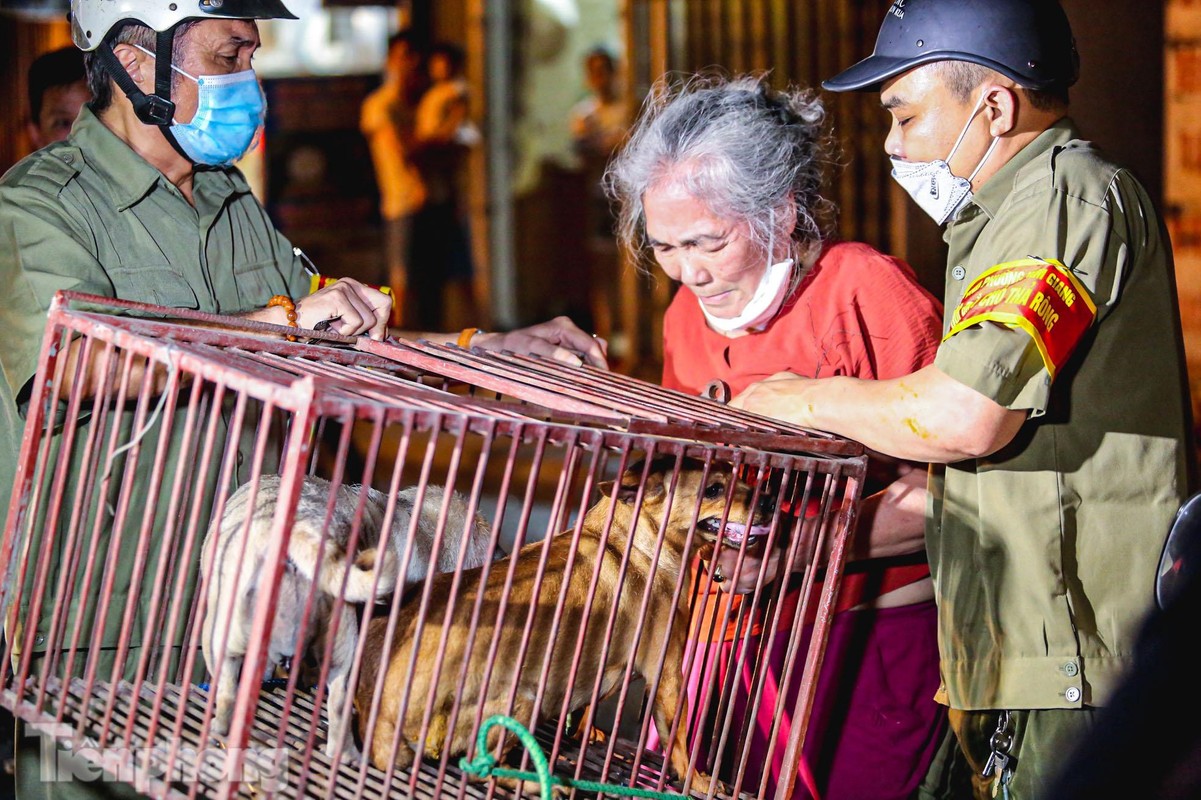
874, 727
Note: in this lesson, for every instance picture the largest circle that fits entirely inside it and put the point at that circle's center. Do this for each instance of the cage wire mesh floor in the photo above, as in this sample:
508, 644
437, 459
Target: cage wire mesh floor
168, 729
118, 482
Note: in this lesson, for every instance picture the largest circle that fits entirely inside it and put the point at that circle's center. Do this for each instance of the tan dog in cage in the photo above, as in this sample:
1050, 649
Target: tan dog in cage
240, 554
692, 489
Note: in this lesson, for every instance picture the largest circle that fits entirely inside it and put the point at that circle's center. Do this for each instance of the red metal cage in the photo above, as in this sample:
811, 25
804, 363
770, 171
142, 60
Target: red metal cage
196, 494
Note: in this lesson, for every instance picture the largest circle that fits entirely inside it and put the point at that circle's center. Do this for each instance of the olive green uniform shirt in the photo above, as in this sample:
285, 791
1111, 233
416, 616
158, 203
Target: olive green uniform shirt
90, 214
1045, 553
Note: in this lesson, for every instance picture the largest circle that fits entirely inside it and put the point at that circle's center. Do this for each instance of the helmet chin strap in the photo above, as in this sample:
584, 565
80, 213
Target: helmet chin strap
152, 109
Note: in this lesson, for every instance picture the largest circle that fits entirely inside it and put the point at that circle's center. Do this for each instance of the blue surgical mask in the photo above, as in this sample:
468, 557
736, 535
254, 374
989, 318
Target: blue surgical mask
229, 112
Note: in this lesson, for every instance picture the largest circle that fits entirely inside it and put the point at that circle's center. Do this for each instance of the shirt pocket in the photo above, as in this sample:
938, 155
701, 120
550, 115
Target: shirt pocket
158, 284
257, 283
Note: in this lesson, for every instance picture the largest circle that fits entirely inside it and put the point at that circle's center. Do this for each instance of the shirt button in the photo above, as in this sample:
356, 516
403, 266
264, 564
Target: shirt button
1070, 669
958, 272
1072, 695
39, 639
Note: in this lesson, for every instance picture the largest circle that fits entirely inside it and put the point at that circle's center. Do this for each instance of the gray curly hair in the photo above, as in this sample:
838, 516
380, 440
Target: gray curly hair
750, 150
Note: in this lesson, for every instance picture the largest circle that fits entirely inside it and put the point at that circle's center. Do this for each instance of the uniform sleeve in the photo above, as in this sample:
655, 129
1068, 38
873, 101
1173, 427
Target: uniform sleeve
1094, 226
43, 250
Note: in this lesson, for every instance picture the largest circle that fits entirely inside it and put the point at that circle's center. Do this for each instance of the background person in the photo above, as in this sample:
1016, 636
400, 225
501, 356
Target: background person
57, 89
444, 268
599, 121
598, 125
387, 120
721, 182
1056, 407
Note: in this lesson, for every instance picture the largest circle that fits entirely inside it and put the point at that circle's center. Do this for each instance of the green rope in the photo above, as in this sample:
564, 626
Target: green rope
484, 765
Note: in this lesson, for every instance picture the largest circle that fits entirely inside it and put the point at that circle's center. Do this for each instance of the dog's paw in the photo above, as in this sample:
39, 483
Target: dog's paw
219, 726
350, 753
703, 784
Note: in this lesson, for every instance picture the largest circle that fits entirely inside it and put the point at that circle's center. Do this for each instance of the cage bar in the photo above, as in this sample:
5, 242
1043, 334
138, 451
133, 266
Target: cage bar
224, 549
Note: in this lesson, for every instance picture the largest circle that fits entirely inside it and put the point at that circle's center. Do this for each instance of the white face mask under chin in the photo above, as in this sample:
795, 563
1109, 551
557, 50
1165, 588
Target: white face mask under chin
938, 191
769, 296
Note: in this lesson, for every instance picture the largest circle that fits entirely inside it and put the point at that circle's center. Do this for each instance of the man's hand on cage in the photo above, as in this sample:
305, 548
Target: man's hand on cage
352, 308
558, 338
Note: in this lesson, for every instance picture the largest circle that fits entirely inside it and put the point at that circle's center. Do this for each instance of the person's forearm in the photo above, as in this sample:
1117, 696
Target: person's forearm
901, 417
87, 379
892, 522
926, 416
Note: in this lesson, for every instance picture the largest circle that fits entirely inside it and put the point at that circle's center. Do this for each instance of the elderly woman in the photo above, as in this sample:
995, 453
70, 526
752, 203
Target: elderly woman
721, 182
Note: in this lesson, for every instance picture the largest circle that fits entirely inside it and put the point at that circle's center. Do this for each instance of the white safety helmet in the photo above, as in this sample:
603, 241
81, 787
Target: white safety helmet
91, 20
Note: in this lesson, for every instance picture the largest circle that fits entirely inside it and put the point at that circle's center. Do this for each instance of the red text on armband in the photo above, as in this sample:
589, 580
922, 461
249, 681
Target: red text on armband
1039, 296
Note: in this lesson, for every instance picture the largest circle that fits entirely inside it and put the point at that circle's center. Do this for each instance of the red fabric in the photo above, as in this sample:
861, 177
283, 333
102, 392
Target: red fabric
858, 313
856, 588
822, 331
874, 727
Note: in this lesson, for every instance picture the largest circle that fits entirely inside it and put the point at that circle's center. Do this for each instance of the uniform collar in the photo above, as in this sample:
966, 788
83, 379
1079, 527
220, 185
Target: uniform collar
998, 187
131, 178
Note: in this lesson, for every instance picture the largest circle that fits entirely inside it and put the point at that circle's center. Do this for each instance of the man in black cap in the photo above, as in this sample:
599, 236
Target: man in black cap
1055, 415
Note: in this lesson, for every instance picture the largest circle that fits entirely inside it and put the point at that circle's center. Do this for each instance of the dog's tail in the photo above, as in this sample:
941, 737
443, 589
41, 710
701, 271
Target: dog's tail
358, 573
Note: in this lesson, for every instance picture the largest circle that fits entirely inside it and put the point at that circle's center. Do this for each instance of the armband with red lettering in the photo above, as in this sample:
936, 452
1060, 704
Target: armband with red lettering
1037, 295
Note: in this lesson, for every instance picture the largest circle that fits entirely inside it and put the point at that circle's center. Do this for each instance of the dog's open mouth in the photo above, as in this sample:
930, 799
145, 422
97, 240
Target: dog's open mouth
733, 533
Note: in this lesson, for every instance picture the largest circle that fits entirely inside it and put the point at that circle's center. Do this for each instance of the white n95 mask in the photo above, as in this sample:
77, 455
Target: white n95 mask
938, 191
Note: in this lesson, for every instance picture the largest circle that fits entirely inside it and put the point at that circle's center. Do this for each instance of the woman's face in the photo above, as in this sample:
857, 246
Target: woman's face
713, 256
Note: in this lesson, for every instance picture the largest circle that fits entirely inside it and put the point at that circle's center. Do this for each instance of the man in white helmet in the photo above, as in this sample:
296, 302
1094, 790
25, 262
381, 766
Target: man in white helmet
141, 202
144, 192
1055, 414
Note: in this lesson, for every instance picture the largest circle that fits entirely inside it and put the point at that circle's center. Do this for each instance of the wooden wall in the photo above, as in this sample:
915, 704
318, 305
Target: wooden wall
1182, 183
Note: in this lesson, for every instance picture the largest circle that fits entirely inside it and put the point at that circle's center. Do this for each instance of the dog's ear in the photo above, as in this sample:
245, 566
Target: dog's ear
625, 492
652, 488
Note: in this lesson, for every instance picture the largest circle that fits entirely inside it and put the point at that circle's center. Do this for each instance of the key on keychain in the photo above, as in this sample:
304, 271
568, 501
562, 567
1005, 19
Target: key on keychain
1004, 775
996, 764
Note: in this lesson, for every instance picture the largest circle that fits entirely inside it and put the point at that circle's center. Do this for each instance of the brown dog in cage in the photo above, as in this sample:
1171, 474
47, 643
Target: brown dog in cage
665, 628
241, 552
